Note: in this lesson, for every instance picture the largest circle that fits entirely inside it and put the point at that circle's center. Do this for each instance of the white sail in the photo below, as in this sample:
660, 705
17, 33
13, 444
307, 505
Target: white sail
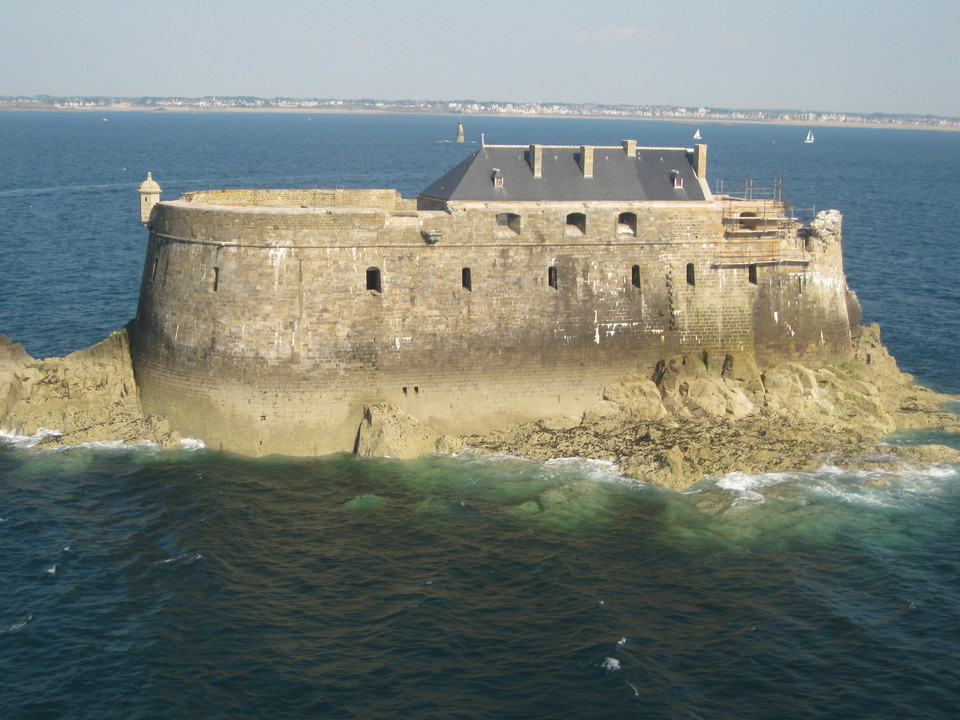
809, 136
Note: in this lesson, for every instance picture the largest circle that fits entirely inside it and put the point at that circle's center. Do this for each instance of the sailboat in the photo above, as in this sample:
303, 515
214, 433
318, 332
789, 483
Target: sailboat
809, 136
696, 135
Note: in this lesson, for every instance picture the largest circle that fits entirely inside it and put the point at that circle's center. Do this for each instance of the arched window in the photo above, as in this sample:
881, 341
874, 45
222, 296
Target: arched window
627, 224
748, 221
373, 280
576, 224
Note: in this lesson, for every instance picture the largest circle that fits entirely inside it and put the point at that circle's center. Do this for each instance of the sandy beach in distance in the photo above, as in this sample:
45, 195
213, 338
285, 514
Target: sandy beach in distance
22, 106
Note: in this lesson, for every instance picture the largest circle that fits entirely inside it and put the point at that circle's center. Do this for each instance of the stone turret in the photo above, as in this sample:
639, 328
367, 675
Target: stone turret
149, 196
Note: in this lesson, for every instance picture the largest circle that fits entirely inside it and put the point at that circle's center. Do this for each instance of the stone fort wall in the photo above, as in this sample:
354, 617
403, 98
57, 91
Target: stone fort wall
268, 319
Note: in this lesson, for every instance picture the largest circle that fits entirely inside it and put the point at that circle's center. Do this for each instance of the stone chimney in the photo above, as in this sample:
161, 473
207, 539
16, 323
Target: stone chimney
629, 147
586, 160
700, 161
536, 160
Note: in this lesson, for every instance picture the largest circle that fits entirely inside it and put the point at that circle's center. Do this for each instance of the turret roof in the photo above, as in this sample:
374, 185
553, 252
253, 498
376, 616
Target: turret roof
149, 185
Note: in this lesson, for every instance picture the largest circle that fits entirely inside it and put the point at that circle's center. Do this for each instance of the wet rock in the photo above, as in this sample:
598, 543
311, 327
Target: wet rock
696, 417
88, 396
388, 431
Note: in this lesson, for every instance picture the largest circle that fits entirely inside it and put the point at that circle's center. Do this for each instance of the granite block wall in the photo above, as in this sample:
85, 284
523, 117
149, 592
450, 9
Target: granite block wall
268, 319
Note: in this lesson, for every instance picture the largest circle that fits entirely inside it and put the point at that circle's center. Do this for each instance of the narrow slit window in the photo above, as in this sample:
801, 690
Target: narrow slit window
215, 279
691, 275
752, 274
552, 277
635, 276
373, 280
465, 279
153, 273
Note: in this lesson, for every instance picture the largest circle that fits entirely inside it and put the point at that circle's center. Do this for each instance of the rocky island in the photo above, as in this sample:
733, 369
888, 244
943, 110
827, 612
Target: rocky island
694, 417
541, 301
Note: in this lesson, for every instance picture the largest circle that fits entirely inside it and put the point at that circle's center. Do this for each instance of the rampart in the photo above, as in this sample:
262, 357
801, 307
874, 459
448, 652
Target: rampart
268, 319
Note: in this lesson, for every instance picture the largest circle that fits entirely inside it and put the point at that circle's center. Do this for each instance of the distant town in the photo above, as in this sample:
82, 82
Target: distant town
472, 107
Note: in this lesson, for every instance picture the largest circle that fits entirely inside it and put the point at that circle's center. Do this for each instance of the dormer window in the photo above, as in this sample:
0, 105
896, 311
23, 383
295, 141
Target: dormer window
677, 179
497, 178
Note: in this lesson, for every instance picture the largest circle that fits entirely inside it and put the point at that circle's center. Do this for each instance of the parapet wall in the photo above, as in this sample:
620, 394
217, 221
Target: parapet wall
339, 197
266, 328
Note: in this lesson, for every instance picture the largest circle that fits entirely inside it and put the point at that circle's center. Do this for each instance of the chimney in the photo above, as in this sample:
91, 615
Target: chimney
536, 160
629, 147
700, 161
586, 160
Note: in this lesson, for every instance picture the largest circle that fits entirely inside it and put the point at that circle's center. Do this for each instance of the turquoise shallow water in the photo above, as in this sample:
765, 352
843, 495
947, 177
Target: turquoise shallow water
143, 584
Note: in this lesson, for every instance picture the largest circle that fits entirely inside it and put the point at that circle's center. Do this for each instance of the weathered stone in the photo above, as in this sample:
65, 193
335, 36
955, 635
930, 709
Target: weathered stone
388, 431
88, 396
838, 411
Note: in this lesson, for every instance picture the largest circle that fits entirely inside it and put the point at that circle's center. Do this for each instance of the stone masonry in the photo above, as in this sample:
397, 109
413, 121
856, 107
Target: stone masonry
269, 319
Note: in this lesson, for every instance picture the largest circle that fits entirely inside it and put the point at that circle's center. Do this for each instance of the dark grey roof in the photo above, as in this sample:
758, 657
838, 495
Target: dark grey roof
648, 174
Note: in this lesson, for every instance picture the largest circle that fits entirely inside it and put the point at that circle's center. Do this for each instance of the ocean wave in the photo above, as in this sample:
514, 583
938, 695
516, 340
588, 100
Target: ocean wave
18, 625
882, 488
21, 441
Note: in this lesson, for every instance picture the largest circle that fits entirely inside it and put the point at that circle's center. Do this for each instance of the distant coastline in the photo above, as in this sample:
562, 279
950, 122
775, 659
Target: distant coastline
466, 109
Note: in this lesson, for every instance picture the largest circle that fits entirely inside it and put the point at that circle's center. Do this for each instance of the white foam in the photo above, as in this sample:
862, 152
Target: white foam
878, 487
19, 625
21, 441
610, 664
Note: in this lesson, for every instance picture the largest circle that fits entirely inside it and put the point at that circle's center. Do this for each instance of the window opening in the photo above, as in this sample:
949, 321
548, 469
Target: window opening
748, 221
691, 275
577, 224
153, 273
635, 276
552, 277
215, 280
373, 280
510, 221
465, 279
627, 224
752, 274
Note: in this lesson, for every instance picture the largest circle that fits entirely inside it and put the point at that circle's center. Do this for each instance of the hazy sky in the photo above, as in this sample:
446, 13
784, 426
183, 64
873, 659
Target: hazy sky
847, 55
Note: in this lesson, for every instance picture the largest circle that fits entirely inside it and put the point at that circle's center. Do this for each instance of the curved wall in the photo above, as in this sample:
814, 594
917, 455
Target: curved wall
260, 327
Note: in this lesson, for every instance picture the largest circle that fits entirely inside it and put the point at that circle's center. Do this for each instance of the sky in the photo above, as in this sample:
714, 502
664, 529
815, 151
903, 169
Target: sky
856, 56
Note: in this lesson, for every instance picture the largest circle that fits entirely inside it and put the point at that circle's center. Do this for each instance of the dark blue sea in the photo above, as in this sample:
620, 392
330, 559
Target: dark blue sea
139, 583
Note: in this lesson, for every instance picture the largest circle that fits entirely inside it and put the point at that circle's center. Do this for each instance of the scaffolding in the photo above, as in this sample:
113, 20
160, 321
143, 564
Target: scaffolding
759, 227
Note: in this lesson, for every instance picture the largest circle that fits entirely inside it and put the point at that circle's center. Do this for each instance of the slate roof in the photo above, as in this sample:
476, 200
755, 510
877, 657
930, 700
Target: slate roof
617, 176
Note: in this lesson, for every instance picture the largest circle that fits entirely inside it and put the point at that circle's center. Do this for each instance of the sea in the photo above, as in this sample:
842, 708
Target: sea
145, 583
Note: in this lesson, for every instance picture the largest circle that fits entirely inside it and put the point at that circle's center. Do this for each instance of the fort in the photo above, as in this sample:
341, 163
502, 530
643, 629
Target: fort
515, 287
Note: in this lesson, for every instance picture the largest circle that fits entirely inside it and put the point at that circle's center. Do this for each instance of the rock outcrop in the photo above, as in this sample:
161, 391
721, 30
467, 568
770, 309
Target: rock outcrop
696, 415
700, 416
88, 396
